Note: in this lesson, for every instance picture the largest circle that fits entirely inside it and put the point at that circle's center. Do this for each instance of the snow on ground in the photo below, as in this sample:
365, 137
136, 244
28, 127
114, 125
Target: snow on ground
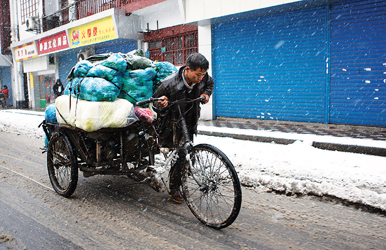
23, 122
295, 168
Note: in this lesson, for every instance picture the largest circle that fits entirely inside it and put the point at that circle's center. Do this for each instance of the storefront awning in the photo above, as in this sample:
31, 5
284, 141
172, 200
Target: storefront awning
4, 61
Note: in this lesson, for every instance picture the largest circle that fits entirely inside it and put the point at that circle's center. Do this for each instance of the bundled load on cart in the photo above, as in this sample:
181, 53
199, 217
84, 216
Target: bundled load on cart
102, 89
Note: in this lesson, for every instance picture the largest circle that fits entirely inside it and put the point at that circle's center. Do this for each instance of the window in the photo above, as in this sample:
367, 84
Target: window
174, 49
28, 8
51, 60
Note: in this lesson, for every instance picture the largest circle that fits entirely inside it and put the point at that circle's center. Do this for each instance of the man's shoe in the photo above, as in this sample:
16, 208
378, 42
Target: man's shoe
176, 195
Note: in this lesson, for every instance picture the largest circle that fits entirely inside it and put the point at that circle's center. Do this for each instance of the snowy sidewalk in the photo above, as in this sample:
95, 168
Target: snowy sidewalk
238, 130
345, 138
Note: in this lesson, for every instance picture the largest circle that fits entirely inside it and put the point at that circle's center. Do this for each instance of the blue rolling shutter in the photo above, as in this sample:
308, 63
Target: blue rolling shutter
66, 62
358, 63
272, 67
115, 46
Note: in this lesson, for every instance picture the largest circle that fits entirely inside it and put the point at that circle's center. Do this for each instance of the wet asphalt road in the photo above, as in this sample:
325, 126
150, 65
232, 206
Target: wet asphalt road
113, 212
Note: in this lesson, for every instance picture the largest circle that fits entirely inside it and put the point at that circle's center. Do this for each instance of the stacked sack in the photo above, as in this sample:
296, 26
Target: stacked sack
92, 116
137, 84
163, 69
103, 88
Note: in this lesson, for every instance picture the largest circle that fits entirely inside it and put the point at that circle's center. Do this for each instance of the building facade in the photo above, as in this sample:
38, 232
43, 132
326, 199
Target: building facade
5, 51
310, 61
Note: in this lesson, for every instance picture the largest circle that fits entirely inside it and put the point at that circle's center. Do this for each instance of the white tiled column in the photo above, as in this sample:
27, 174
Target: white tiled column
205, 48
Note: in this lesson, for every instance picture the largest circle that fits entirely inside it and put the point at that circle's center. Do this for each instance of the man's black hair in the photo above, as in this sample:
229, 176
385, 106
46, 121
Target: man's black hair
5, 86
197, 60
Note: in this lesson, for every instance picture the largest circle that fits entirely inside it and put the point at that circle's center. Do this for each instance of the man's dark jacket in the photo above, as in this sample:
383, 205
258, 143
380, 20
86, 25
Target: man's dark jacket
173, 88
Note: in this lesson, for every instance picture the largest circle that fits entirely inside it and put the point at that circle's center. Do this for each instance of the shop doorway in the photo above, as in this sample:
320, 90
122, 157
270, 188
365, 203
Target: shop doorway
46, 94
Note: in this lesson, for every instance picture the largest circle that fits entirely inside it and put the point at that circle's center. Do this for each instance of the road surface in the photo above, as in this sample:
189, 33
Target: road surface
113, 212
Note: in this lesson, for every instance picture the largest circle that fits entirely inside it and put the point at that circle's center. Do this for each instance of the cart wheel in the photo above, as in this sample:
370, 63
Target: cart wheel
62, 165
211, 187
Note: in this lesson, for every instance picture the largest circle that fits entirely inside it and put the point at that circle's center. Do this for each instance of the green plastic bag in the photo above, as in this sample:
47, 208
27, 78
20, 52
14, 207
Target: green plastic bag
163, 69
80, 69
96, 89
137, 62
106, 73
137, 85
115, 61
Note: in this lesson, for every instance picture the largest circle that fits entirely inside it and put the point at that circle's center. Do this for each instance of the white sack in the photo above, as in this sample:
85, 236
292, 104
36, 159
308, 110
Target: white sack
92, 116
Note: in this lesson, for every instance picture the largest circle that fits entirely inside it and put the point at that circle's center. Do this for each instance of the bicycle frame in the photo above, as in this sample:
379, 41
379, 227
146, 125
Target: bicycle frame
185, 143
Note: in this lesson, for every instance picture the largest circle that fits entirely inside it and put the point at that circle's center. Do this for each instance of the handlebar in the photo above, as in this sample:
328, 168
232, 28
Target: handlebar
143, 102
151, 99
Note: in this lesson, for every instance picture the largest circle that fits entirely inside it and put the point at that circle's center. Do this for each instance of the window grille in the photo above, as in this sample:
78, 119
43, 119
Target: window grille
174, 49
28, 8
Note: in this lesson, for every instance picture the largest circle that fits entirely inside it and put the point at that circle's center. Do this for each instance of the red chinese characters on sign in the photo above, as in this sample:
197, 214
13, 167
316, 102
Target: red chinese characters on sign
95, 31
53, 43
22, 53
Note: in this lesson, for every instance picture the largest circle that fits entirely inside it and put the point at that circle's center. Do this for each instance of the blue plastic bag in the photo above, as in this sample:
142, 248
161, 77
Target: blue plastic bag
106, 73
50, 114
95, 89
137, 85
115, 61
82, 67
163, 69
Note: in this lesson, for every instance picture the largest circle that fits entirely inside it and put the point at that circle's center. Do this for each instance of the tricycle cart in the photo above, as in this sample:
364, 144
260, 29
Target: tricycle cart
210, 184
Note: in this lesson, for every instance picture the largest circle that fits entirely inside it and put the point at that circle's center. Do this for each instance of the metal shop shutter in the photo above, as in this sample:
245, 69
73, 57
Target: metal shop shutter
66, 62
118, 45
358, 63
272, 67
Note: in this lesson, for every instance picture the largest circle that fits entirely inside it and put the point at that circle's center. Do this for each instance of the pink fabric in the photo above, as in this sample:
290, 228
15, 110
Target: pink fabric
144, 114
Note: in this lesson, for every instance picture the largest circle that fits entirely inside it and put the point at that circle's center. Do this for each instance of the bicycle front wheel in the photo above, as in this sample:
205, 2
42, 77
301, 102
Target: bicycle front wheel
211, 187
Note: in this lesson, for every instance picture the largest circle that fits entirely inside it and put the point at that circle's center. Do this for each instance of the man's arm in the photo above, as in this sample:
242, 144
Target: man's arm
208, 89
161, 93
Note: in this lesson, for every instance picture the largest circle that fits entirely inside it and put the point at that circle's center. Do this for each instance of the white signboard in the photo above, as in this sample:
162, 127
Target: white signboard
25, 51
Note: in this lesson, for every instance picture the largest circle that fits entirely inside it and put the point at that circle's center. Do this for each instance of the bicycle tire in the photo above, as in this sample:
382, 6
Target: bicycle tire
62, 165
211, 187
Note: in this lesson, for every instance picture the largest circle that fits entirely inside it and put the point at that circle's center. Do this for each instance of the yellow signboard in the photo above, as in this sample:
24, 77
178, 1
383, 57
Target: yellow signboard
94, 32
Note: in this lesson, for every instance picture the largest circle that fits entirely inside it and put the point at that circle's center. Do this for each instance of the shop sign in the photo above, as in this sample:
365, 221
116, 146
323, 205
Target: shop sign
53, 43
94, 32
26, 51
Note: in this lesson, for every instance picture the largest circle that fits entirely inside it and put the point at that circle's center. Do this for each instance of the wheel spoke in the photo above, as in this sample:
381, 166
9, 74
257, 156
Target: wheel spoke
62, 166
211, 187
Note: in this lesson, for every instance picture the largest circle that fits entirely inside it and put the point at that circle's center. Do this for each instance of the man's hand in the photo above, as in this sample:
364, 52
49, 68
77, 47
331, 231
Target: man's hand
164, 102
206, 98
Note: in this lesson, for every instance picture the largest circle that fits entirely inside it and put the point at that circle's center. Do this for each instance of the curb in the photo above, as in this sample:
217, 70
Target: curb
350, 148
321, 145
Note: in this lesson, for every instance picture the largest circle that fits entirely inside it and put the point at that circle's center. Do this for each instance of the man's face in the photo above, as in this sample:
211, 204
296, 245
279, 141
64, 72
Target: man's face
194, 76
